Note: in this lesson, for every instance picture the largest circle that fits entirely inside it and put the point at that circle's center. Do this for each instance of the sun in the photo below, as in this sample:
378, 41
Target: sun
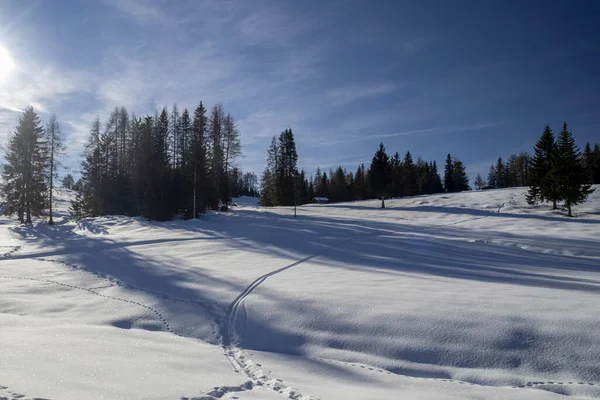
6, 64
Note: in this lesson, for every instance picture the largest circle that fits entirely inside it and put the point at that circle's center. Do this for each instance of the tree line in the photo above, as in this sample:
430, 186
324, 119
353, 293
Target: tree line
283, 185
157, 166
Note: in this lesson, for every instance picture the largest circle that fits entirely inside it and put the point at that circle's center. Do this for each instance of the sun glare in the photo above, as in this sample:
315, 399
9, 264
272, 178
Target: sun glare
6, 64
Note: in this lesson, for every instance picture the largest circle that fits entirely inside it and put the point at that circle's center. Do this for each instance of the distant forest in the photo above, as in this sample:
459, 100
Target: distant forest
177, 164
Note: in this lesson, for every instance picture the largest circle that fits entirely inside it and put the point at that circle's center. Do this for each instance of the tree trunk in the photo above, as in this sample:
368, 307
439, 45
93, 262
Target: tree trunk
382, 202
554, 207
569, 209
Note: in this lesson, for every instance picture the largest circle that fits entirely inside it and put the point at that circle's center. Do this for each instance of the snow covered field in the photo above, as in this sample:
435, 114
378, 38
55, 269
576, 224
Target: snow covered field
469, 295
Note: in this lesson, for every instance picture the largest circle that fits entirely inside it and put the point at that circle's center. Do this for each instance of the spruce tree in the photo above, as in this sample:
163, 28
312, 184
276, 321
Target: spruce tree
438, 186
492, 179
588, 163
568, 172
500, 174
24, 175
449, 185
542, 185
380, 174
460, 178
409, 175
54, 150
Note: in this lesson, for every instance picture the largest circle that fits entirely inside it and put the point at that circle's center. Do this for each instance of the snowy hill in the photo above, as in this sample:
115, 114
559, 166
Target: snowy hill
468, 295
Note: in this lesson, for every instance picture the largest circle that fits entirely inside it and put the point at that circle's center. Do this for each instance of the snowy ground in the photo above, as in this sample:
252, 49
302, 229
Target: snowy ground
471, 295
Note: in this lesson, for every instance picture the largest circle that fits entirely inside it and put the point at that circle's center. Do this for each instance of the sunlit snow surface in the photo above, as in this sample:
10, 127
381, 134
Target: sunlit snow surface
470, 295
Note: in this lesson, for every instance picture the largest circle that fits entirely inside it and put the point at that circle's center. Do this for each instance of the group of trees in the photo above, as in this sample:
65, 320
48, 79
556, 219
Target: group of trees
161, 165
176, 163
559, 172
283, 184
32, 167
514, 172
156, 166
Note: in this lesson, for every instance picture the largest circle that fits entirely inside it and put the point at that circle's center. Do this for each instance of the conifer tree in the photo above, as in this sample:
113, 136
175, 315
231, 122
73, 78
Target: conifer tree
568, 171
492, 179
410, 175
380, 174
437, 180
24, 175
542, 185
460, 178
588, 163
500, 173
449, 185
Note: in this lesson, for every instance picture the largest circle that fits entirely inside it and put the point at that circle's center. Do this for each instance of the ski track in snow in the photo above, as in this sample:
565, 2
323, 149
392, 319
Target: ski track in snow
226, 331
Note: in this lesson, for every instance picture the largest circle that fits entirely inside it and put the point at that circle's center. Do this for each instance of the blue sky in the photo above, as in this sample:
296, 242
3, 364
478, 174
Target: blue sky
478, 79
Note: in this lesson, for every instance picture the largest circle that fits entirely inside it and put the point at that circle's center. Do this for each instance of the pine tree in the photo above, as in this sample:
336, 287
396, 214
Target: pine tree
449, 184
410, 175
588, 163
380, 174
397, 176
542, 185
215, 155
197, 159
568, 172
24, 175
77, 208
479, 182
185, 135
500, 173
492, 179
287, 168
360, 183
54, 150
460, 178
437, 180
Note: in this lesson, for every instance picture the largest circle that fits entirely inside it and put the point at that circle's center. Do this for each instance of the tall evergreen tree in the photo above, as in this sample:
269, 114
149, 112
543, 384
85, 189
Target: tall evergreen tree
360, 183
437, 180
568, 171
542, 185
287, 168
54, 150
460, 178
500, 173
492, 178
24, 176
589, 163
380, 174
216, 155
197, 160
449, 185
410, 175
